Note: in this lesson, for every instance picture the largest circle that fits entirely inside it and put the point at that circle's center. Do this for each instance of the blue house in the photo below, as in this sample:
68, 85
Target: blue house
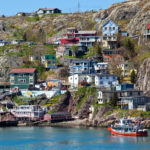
110, 31
106, 80
110, 28
82, 66
124, 86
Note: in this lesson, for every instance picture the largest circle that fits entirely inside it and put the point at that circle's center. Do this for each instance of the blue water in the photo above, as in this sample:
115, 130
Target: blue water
48, 138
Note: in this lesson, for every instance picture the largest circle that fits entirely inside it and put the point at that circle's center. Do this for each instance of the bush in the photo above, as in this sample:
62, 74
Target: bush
32, 19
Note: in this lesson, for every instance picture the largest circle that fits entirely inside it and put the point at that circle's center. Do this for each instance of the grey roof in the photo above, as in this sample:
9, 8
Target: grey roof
46, 9
83, 60
87, 32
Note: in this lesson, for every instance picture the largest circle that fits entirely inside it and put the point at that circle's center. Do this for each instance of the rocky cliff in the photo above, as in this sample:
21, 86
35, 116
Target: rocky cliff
83, 104
143, 82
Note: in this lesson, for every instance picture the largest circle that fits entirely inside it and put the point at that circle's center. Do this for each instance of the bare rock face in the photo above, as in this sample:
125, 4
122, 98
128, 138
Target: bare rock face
118, 12
143, 82
7, 63
139, 23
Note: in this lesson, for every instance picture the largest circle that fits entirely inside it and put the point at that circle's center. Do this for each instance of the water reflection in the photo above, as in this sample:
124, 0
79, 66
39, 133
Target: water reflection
37, 138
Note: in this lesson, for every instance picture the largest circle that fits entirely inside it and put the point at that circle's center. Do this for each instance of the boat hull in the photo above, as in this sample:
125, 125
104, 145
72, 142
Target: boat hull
142, 133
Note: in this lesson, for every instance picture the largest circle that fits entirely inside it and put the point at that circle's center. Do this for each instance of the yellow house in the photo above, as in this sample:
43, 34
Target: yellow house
35, 59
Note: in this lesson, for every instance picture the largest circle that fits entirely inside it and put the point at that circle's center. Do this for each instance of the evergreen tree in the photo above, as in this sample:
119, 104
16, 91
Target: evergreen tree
24, 36
130, 46
99, 53
114, 100
133, 77
74, 49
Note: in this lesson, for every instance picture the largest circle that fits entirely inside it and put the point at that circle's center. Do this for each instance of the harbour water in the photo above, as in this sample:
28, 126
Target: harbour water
50, 138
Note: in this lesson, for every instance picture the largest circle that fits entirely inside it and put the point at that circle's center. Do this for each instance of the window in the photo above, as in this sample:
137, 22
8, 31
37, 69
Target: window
105, 28
114, 78
77, 64
130, 93
12, 81
114, 28
20, 75
110, 82
31, 81
107, 77
109, 28
101, 82
21, 81
106, 59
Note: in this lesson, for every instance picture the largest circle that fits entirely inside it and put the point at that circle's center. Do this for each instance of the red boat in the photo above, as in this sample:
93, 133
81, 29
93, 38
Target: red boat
126, 127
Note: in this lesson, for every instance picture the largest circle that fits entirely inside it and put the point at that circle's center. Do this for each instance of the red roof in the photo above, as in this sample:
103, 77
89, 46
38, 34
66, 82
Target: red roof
23, 70
148, 27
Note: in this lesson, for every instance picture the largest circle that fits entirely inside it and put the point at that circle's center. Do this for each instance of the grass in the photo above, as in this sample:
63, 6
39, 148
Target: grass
82, 95
144, 56
2, 49
51, 50
32, 19
19, 101
131, 113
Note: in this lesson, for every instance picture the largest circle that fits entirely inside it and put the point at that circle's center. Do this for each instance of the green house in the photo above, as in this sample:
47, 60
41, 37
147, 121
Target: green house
49, 61
23, 78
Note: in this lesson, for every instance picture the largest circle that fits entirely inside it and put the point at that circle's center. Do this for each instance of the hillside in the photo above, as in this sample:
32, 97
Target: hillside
132, 16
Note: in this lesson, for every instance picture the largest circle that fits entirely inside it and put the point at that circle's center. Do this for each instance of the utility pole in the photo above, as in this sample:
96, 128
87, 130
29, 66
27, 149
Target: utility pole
78, 6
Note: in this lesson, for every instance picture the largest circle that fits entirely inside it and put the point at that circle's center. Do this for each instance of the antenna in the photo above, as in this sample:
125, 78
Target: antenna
78, 5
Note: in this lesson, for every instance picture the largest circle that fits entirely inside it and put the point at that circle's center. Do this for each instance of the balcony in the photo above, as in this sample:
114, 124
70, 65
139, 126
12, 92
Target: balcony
89, 39
110, 38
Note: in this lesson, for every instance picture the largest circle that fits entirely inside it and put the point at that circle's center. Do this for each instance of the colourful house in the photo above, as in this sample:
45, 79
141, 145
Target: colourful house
35, 59
147, 32
82, 66
54, 83
49, 61
23, 78
113, 56
70, 37
110, 31
88, 38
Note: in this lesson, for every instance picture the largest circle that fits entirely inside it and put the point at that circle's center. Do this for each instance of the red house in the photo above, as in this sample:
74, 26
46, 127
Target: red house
113, 56
147, 32
70, 37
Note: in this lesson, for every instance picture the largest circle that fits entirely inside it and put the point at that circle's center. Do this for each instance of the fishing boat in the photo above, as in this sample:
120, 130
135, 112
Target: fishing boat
127, 127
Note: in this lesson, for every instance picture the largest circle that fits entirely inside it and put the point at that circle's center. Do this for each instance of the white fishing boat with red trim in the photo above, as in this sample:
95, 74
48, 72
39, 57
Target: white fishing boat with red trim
127, 127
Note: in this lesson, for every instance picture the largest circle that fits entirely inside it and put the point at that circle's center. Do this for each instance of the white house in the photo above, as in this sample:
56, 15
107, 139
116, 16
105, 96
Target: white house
101, 68
42, 11
88, 38
75, 79
4, 42
106, 81
135, 102
28, 112
127, 68
16, 41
